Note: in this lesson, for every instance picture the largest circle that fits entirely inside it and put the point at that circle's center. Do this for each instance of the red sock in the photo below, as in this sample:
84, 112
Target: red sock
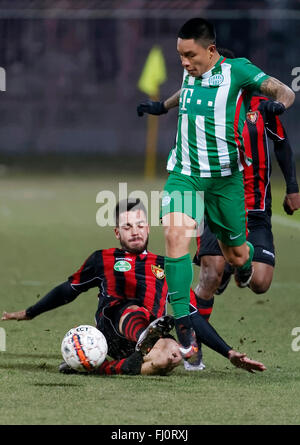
111, 367
135, 323
205, 307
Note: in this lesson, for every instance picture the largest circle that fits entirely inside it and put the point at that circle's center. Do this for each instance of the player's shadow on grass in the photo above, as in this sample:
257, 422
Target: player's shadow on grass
45, 367
51, 385
33, 355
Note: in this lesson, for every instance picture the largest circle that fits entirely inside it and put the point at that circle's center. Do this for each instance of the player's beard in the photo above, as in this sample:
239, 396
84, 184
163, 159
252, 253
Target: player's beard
136, 250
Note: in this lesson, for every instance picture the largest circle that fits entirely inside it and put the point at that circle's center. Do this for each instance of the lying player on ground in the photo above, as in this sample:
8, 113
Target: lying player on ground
132, 302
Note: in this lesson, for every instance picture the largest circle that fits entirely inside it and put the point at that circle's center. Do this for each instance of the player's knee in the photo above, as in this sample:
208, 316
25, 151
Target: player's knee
176, 241
260, 285
171, 235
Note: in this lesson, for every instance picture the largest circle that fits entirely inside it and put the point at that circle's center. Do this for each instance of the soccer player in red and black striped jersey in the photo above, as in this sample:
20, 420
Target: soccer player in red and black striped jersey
132, 294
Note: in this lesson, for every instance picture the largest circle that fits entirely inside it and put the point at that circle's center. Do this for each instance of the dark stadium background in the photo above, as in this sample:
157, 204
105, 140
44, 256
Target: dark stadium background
72, 69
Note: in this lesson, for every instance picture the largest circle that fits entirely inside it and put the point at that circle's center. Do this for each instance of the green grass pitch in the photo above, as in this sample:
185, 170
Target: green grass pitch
48, 228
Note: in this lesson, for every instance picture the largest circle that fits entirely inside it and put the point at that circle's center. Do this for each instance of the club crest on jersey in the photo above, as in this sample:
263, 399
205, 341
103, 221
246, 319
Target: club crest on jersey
216, 80
158, 272
122, 266
252, 116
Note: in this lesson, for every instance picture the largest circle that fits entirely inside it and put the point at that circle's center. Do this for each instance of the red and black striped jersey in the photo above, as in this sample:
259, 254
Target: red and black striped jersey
257, 176
123, 276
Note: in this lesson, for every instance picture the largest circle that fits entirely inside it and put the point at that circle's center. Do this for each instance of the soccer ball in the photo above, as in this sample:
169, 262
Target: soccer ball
84, 348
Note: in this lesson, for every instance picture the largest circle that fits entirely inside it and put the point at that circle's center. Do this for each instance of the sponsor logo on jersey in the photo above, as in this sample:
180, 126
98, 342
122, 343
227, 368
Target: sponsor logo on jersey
258, 76
252, 116
216, 80
225, 166
122, 266
158, 272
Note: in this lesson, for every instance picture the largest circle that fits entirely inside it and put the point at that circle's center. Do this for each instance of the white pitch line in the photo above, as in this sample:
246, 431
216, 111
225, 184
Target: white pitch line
283, 221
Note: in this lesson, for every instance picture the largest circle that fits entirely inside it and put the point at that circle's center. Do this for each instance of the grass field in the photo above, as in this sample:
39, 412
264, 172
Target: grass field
48, 228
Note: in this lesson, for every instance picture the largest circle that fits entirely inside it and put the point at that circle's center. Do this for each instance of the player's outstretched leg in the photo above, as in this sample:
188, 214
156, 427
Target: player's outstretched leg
157, 329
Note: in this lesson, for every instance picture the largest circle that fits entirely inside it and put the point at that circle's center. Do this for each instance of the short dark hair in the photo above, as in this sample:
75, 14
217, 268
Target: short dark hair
127, 205
225, 52
198, 29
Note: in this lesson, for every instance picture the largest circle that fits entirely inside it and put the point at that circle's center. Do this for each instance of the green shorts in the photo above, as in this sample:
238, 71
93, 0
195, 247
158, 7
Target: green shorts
221, 199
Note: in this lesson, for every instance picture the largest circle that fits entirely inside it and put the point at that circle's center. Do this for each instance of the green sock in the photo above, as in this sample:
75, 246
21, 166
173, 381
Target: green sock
179, 277
249, 261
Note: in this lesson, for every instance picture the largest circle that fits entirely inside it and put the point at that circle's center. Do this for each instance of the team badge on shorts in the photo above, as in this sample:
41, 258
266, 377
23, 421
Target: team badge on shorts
252, 116
158, 272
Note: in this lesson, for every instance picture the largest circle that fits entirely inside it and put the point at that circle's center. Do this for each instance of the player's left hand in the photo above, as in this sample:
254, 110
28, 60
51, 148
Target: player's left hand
271, 107
242, 361
291, 203
151, 107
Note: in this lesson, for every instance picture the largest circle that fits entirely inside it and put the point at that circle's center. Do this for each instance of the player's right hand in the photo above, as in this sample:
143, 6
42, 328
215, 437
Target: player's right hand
291, 203
151, 107
242, 361
20, 315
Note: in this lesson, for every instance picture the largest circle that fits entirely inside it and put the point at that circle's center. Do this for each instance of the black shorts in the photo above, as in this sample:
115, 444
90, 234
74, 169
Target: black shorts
260, 236
108, 323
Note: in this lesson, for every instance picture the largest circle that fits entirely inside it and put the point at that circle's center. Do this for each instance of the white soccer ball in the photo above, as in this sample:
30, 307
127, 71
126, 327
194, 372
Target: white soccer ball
84, 348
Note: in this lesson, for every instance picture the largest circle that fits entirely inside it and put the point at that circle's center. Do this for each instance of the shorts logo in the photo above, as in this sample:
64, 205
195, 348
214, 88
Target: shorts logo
166, 200
252, 116
267, 252
158, 272
216, 80
235, 237
122, 266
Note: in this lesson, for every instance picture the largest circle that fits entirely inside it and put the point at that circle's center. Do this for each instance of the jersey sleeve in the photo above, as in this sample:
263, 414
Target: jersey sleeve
89, 274
249, 76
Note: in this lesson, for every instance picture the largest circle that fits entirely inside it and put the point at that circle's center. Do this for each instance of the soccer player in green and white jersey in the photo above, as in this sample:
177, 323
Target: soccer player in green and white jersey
208, 157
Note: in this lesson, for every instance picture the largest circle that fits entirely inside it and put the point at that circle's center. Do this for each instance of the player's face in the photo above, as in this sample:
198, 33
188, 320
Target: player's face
195, 58
133, 231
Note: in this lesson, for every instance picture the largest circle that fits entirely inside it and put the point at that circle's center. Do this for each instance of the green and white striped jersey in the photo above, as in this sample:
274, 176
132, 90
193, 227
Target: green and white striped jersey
212, 112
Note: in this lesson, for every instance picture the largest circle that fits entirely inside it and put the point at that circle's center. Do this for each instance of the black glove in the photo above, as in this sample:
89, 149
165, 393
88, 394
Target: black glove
151, 107
271, 107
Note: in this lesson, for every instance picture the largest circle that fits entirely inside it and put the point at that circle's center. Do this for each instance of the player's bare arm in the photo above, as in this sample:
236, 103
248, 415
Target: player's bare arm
172, 101
278, 91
